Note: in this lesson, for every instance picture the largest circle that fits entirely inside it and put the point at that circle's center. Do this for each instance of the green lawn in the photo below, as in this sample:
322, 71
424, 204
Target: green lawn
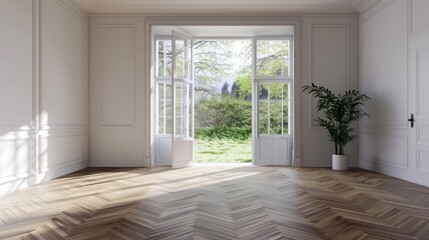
223, 151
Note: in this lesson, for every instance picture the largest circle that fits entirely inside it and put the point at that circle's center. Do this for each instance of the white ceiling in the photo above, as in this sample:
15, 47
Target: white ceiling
220, 6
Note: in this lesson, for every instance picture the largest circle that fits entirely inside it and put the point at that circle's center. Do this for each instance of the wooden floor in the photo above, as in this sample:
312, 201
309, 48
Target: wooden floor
218, 203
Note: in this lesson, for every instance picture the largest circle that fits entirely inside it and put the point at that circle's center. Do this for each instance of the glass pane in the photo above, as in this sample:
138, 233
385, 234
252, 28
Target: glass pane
190, 104
276, 116
272, 58
286, 102
179, 126
168, 124
179, 108
164, 108
273, 108
161, 107
161, 125
163, 60
168, 110
179, 69
272, 67
263, 104
183, 109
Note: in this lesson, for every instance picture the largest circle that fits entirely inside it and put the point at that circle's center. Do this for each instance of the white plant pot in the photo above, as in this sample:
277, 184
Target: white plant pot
340, 162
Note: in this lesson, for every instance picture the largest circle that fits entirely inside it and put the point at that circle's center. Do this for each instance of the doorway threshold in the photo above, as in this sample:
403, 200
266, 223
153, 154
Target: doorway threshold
222, 164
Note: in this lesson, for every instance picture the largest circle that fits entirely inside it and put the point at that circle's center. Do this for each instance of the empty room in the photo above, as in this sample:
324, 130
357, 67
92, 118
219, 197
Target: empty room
276, 119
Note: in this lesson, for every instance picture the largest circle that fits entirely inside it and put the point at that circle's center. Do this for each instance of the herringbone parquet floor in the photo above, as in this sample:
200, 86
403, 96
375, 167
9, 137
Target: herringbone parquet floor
218, 203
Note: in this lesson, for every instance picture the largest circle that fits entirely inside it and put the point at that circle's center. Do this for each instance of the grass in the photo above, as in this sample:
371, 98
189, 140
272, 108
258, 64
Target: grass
223, 151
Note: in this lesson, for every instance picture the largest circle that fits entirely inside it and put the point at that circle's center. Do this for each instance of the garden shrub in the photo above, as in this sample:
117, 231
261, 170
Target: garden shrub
234, 133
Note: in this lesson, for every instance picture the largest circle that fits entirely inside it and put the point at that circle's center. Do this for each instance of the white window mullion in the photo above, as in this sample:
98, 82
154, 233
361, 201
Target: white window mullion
282, 101
164, 59
268, 110
165, 109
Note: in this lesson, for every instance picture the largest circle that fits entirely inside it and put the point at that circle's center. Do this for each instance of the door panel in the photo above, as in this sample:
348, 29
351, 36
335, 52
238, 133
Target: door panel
273, 151
183, 155
273, 141
419, 88
163, 150
182, 92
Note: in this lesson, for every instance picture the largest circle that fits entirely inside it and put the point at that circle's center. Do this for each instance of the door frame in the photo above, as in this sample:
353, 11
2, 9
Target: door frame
220, 21
256, 136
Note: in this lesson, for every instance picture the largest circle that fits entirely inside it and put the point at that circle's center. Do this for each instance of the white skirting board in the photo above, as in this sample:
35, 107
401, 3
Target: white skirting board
12, 186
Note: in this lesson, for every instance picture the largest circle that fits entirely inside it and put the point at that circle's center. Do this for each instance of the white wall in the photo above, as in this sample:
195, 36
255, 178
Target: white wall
329, 58
120, 88
117, 104
383, 76
392, 35
43, 95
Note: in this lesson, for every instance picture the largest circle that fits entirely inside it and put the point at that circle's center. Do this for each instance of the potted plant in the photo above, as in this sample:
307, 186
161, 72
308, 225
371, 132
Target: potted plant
340, 110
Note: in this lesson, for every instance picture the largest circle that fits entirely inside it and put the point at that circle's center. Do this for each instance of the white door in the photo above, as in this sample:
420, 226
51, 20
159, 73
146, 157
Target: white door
273, 100
419, 107
182, 101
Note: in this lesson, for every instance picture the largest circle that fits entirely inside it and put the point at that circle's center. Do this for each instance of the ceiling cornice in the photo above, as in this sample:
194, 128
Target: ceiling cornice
221, 7
362, 5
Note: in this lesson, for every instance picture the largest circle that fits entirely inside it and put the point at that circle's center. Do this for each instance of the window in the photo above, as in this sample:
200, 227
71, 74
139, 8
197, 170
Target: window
164, 124
163, 90
272, 58
273, 83
273, 101
163, 58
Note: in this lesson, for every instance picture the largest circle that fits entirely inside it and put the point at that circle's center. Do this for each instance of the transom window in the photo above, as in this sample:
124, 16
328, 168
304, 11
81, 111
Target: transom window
272, 58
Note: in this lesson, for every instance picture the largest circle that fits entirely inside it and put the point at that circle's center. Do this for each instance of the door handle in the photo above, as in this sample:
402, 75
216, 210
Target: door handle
411, 120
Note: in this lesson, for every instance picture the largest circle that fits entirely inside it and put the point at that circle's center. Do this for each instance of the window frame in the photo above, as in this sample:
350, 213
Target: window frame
257, 80
167, 80
291, 59
155, 56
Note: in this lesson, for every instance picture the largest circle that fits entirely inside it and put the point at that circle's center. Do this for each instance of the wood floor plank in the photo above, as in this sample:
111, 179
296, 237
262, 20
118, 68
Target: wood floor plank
218, 202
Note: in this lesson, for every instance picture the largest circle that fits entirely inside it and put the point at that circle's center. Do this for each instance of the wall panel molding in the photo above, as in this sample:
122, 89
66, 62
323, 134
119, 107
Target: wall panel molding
422, 137
414, 11
106, 109
30, 169
421, 85
70, 61
36, 65
387, 8
345, 27
22, 143
422, 160
401, 149
117, 91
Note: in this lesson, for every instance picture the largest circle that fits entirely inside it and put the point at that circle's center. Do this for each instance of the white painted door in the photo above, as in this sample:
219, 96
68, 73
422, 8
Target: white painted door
272, 101
182, 101
419, 106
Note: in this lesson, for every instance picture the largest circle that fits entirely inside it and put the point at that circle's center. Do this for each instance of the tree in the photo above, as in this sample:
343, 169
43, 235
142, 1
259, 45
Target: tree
243, 87
211, 59
225, 89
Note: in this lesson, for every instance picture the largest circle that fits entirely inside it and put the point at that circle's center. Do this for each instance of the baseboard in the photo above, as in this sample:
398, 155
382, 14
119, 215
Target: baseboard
109, 163
323, 165
12, 186
380, 167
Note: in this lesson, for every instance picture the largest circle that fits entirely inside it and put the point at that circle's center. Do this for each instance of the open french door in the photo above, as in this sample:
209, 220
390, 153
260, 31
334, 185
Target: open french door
182, 83
273, 100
